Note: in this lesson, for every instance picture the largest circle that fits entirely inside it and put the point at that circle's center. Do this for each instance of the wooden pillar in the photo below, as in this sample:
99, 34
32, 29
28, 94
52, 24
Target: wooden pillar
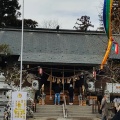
63, 81
51, 86
73, 80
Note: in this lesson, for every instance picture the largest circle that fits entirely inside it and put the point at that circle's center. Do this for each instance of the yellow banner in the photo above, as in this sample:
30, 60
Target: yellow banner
19, 104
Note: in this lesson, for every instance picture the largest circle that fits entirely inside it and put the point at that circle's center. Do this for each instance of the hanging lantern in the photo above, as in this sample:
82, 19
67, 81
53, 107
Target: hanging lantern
94, 73
116, 48
40, 70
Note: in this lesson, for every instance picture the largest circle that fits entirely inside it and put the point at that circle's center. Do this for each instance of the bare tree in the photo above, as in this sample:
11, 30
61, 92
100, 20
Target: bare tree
115, 17
52, 24
113, 69
12, 76
4, 49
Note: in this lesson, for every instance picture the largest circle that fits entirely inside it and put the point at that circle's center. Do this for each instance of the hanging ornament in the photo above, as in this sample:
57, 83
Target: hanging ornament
49, 78
58, 80
94, 73
113, 46
68, 80
116, 48
74, 77
53, 80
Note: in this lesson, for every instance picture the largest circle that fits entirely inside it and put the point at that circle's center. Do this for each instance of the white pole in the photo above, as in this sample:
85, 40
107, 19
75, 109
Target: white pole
22, 45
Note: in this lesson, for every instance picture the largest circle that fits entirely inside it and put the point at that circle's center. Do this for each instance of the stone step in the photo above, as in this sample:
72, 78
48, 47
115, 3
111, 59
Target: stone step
81, 108
50, 115
81, 114
61, 118
45, 105
49, 107
80, 111
77, 116
56, 110
48, 110
70, 107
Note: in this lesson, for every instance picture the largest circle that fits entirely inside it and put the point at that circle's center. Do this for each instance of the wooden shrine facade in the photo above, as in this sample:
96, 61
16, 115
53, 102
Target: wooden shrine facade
70, 51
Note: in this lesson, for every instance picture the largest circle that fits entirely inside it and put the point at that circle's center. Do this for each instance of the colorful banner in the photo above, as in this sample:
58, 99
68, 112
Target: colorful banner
107, 25
19, 105
107, 16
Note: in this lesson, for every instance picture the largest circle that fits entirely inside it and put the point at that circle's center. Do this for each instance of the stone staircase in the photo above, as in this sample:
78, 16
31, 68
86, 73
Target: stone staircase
76, 111
48, 111
73, 111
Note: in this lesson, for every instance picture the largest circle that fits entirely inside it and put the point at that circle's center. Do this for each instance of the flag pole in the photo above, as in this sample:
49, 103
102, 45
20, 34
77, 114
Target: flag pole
21, 62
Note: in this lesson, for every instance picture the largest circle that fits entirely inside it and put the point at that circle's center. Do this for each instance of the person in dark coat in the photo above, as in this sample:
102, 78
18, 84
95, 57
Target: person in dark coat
116, 116
71, 93
57, 91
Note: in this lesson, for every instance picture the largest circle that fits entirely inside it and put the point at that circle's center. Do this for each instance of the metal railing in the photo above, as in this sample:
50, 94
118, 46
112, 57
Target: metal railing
64, 107
94, 106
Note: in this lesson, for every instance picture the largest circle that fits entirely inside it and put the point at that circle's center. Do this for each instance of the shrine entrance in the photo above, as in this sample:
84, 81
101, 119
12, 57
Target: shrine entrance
76, 79
63, 77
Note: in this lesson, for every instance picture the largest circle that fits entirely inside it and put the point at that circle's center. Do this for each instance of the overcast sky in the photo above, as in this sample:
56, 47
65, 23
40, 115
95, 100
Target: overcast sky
65, 12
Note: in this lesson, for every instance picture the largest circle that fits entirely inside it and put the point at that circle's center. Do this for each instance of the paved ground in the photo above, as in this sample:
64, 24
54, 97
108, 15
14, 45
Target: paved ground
45, 118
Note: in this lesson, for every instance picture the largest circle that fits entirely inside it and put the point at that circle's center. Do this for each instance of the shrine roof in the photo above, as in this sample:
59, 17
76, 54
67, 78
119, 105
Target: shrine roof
63, 46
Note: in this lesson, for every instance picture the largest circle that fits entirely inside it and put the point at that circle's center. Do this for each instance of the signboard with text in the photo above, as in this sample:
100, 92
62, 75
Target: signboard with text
113, 87
19, 104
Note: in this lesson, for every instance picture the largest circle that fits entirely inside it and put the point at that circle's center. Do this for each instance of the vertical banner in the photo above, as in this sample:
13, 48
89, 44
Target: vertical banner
19, 105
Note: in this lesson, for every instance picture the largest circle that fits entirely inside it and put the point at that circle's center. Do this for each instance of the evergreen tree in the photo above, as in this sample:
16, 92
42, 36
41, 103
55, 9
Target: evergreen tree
84, 24
9, 14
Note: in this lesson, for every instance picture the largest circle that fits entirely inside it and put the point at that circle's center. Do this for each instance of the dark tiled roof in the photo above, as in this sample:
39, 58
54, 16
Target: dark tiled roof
62, 58
58, 47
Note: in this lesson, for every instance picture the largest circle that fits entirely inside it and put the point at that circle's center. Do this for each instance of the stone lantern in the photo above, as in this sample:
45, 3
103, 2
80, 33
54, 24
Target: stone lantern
3, 99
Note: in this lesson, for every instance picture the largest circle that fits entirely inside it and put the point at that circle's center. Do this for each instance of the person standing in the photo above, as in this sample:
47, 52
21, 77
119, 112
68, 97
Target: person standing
116, 116
57, 94
80, 99
103, 107
71, 93
115, 103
